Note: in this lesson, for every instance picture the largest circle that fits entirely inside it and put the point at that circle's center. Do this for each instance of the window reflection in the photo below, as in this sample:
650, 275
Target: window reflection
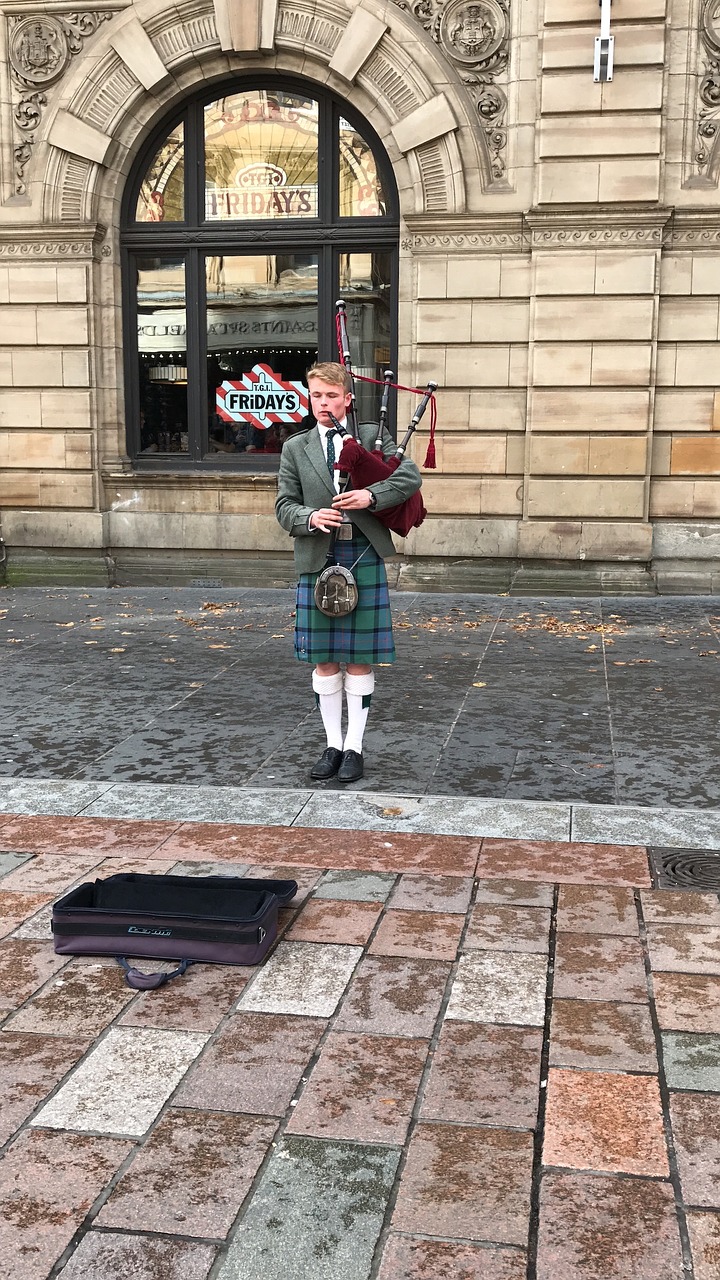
261, 157
162, 194
162, 355
262, 321
361, 194
365, 285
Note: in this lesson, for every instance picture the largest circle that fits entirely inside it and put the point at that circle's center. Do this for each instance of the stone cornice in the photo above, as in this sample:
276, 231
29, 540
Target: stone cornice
694, 229
500, 234
600, 228
78, 243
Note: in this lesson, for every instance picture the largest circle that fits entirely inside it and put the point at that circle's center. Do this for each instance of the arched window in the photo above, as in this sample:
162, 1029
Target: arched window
248, 213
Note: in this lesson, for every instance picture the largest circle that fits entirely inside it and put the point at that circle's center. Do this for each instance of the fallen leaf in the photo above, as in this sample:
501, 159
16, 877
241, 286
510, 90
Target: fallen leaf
480, 684
118, 651
391, 813
64, 624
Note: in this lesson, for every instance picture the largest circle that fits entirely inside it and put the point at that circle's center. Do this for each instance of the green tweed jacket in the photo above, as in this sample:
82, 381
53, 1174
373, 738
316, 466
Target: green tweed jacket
304, 485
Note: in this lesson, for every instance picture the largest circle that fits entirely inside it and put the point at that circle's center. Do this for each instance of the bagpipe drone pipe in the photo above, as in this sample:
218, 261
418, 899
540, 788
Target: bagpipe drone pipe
366, 466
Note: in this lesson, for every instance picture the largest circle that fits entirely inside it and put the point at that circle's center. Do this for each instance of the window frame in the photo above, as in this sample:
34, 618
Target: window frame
329, 235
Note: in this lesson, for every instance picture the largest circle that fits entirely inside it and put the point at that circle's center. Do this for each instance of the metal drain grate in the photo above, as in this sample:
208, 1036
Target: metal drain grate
697, 869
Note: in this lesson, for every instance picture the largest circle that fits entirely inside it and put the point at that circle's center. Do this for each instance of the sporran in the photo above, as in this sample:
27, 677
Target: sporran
336, 593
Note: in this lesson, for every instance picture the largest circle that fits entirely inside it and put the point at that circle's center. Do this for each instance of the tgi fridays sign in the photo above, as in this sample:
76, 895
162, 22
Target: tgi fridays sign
261, 191
261, 398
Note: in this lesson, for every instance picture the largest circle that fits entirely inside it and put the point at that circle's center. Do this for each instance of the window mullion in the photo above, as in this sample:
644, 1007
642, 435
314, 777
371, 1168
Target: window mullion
194, 327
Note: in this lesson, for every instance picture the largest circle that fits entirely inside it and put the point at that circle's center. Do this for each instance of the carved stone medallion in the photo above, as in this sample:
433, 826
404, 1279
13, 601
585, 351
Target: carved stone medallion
473, 31
711, 24
38, 50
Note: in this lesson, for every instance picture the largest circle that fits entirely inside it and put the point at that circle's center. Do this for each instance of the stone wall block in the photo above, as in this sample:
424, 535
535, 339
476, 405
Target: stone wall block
627, 180
569, 11
432, 278
431, 120
60, 324
445, 536
660, 462
688, 319
72, 284
66, 489
586, 498
499, 321
19, 324
53, 529
594, 410
71, 134
618, 455
443, 322
562, 364
600, 136
477, 366
698, 365
562, 182
593, 319
565, 272
616, 365
629, 271
500, 497
636, 45
362, 34
132, 43
695, 456
33, 369
559, 455
469, 454
670, 498
76, 369
31, 284
477, 277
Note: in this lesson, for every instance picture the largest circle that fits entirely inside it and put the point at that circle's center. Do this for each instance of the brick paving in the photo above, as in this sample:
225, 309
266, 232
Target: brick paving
478, 1059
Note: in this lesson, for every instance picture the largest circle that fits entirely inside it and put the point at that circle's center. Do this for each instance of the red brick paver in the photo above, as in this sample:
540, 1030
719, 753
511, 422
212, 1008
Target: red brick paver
607, 1122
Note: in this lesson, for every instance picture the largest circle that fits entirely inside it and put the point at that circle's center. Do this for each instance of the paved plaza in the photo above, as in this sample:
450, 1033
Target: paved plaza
487, 1044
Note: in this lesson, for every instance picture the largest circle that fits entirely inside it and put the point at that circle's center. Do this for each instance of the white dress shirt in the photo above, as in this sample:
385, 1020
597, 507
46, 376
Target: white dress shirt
338, 443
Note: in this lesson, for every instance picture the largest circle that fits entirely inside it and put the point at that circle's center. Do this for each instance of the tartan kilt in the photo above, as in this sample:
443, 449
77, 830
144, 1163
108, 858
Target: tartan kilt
363, 636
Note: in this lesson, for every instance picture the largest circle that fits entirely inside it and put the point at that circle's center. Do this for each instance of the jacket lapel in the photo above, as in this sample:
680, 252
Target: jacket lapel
315, 456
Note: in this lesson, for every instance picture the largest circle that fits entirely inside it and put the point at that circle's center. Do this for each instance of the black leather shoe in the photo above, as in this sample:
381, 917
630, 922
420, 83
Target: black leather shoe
351, 767
328, 764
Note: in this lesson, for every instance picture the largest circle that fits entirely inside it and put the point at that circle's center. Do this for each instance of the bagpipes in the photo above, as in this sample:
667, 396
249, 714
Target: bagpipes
365, 466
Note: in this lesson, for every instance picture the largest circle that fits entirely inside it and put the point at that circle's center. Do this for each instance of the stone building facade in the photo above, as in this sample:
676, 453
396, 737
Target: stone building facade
554, 243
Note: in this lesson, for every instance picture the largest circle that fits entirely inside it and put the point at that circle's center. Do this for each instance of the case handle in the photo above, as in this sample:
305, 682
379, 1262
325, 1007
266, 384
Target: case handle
140, 981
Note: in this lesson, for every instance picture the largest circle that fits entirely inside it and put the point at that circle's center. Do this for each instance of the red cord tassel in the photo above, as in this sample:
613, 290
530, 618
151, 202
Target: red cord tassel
429, 464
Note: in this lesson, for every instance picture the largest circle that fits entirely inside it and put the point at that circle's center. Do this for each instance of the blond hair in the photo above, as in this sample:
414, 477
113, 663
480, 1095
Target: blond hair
336, 374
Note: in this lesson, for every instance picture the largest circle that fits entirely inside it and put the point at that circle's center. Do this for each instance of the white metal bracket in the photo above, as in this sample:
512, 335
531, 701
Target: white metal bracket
604, 45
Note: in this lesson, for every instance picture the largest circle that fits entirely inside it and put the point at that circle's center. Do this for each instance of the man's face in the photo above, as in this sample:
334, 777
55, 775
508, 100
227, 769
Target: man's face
326, 398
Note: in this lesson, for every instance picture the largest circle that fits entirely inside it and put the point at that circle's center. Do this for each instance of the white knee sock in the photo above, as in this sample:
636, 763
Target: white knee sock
328, 692
358, 692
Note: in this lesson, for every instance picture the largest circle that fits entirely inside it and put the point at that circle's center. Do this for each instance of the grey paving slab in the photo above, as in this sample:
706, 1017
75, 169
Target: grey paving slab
692, 1061
302, 978
620, 824
439, 815
49, 796
123, 1083
199, 804
355, 886
9, 861
317, 1213
499, 987
38, 928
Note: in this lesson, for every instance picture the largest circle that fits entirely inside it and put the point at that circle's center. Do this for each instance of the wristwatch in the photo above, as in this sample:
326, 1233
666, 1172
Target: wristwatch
373, 502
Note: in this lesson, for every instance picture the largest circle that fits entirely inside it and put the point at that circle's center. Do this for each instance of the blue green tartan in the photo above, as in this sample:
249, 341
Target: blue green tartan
365, 635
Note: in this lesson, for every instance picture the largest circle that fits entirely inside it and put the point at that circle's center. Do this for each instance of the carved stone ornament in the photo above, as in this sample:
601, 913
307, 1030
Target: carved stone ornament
475, 36
40, 50
708, 120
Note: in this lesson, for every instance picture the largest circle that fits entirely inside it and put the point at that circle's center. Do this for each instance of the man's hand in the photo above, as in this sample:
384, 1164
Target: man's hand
354, 500
325, 519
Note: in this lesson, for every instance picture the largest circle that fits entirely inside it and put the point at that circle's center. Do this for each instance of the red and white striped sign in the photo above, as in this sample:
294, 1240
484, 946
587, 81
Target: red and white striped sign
261, 398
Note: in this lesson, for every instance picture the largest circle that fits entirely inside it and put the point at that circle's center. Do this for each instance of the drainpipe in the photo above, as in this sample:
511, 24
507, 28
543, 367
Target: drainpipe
3, 553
